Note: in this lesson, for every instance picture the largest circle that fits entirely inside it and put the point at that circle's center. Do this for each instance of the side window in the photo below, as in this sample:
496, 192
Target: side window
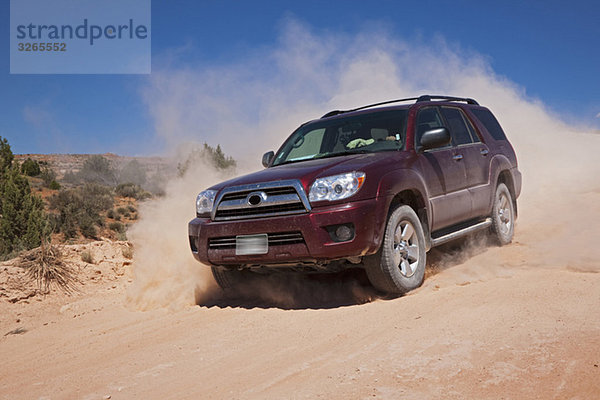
456, 124
471, 129
490, 122
427, 118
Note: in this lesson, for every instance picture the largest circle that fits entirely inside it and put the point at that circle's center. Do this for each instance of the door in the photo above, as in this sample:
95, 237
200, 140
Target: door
444, 174
475, 159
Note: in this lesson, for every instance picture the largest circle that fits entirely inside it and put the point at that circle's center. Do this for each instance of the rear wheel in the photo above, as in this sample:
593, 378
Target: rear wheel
399, 266
503, 216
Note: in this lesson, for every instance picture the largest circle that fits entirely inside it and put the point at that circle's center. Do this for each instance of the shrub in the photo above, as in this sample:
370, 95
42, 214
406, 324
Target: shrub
80, 208
99, 220
46, 266
86, 256
110, 213
54, 185
87, 226
6, 155
97, 169
70, 177
117, 227
132, 173
132, 190
96, 198
121, 210
23, 221
30, 167
48, 176
213, 156
128, 252
131, 208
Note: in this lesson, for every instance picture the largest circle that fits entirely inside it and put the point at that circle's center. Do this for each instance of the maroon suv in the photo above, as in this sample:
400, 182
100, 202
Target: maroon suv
375, 187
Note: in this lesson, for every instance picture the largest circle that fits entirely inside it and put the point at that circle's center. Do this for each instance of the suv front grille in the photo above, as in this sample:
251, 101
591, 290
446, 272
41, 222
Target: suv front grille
269, 191
261, 211
261, 200
275, 239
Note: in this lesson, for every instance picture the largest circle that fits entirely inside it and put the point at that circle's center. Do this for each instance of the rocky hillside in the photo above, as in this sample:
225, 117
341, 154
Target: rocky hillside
63, 163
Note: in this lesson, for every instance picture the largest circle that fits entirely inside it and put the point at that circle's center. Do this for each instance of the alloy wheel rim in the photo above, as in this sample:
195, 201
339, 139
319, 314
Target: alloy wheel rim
405, 250
504, 214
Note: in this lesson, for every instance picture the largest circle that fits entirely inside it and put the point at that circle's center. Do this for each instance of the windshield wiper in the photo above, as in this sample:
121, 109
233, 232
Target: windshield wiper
343, 153
328, 155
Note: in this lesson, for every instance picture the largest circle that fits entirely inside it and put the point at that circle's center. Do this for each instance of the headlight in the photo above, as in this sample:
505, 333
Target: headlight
336, 187
204, 203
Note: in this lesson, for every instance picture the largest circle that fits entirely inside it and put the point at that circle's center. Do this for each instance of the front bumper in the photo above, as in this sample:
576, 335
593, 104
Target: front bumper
317, 246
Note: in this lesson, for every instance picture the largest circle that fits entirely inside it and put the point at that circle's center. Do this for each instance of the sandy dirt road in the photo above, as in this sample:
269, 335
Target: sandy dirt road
516, 322
489, 324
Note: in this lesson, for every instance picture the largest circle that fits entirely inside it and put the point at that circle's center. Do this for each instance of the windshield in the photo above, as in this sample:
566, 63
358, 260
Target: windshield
366, 133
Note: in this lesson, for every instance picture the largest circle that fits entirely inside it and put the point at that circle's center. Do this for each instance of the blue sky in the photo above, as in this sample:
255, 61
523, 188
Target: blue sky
548, 48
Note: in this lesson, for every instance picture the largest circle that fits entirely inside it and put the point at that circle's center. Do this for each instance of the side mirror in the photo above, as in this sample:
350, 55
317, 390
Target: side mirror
267, 158
434, 138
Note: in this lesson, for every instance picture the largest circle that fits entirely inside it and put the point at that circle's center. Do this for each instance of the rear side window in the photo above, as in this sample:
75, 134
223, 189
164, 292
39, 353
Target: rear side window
458, 128
490, 122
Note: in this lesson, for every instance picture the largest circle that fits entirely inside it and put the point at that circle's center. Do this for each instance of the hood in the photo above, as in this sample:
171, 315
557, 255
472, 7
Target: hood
307, 171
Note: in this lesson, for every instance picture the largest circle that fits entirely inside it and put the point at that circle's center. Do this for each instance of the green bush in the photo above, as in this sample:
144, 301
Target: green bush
97, 169
30, 167
23, 221
213, 156
117, 227
6, 155
54, 185
96, 197
87, 226
48, 176
80, 208
132, 190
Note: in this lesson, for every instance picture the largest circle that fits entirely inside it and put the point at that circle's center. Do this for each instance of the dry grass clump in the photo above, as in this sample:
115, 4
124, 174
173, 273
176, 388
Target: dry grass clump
47, 267
128, 252
87, 256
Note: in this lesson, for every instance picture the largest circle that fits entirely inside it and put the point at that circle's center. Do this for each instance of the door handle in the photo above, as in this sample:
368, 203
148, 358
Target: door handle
457, 157
484, 152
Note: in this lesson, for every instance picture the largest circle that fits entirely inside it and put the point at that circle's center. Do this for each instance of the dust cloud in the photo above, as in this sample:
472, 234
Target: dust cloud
250, 105
165, 273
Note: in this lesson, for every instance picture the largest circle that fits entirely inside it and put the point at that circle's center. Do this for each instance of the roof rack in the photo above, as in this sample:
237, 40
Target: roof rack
428, 97
420, 99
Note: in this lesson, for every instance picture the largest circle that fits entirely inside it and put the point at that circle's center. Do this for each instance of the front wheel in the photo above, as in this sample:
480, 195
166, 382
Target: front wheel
503, 216
228, 279
399, 266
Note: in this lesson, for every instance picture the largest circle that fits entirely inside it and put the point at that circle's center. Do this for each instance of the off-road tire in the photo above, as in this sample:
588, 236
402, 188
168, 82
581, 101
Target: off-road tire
399, 265
503, 216
231, 278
